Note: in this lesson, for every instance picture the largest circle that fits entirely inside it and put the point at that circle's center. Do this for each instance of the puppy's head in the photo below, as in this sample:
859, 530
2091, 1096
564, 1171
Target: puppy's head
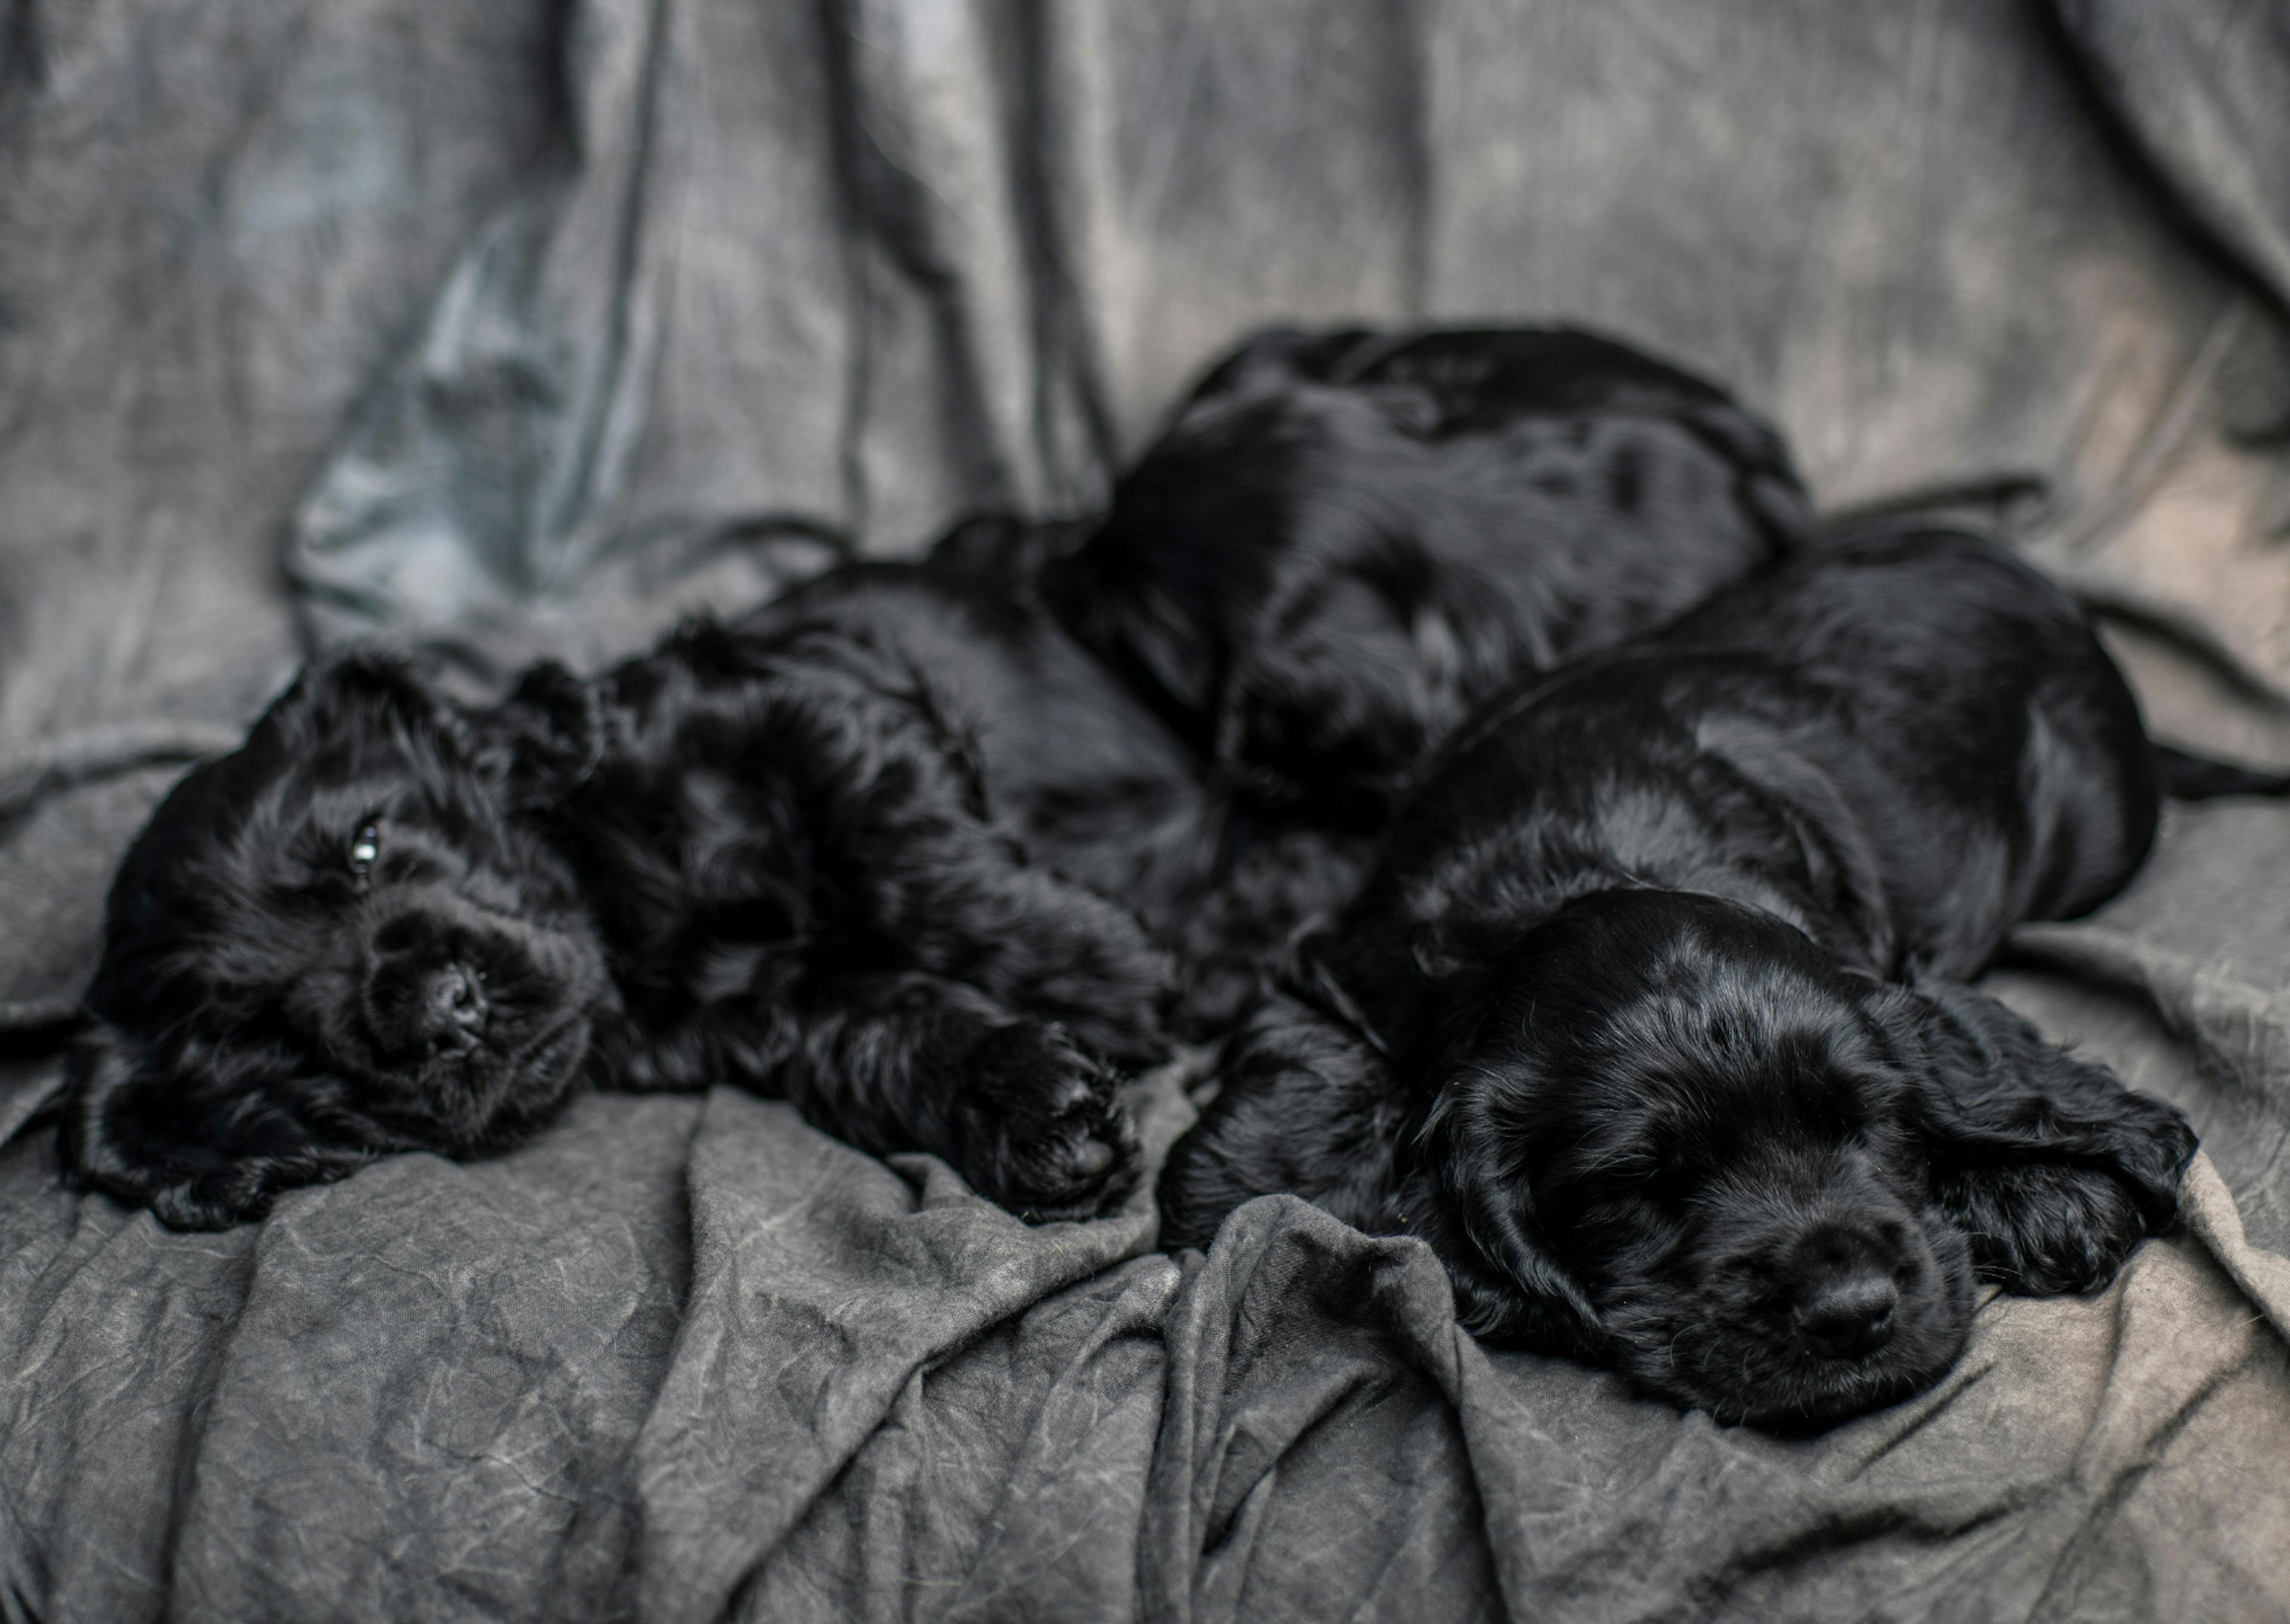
1261, 581
1671, 1136
336, 941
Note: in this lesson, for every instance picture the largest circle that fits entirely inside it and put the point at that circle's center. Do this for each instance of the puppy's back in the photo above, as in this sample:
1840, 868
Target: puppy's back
1914, 727
1978, 699
1067, 756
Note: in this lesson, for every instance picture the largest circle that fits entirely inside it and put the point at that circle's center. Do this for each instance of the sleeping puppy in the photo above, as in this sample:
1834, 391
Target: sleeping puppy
1651, 1021
790, 853
1343, 540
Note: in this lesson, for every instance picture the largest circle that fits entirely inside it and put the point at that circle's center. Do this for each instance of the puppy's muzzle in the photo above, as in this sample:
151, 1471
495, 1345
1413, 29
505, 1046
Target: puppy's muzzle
429, 993
1842, 1277
421, 1009
450, 1009
1844, 1309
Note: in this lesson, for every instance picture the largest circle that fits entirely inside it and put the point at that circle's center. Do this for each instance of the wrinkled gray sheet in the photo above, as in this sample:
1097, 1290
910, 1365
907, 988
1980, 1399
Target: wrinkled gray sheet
514, 326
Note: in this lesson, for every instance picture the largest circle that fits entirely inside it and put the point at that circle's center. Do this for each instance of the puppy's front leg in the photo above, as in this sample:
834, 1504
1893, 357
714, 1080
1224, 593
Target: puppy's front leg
1303, 1105
1042, 947
923, 879
850, 927
912, 1062
998, 1050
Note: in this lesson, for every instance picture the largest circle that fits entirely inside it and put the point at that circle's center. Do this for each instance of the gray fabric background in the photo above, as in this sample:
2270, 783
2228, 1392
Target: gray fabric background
509, 326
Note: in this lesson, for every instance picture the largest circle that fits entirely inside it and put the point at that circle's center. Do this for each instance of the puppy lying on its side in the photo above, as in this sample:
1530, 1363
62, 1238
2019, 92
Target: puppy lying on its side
1615, 1025
784, 852
1343, 540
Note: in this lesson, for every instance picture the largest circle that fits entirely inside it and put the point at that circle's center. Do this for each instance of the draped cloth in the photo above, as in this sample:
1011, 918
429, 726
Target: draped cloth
502, 327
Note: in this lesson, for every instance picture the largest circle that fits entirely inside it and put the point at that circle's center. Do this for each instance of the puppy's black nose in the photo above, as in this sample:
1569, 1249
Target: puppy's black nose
1848, 1315
450, 1007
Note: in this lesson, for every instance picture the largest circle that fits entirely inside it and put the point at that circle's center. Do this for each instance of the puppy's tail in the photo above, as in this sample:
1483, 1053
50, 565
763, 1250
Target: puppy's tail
2188, 777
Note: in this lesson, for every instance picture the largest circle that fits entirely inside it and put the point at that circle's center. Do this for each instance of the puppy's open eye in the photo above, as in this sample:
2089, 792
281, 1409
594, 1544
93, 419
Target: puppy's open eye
365, 849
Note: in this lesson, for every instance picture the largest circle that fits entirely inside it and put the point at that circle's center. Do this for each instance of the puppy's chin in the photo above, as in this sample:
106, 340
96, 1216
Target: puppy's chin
486, 1102
1716, 1344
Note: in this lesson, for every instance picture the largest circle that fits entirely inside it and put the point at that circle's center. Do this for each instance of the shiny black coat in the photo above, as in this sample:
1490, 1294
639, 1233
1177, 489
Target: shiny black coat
1344, 539
795, 852
1651, 1018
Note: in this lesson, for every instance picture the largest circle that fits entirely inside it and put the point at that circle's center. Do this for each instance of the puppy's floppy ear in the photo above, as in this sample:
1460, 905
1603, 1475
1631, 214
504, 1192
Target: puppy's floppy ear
202, 1153
360, 700
2052, 1168
345, 688
547, 735
1477, 1208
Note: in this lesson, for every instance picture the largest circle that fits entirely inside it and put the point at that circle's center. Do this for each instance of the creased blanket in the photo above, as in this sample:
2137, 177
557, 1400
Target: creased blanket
505, 326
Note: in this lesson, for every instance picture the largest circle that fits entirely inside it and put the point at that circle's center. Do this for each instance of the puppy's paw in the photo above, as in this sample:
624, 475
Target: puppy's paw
1043, 1127
2148, 1144
208, 1203
241, 1192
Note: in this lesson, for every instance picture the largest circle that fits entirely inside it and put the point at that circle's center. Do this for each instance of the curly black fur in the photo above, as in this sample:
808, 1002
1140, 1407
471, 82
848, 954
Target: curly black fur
790, 852
1344, 538
1650, 1020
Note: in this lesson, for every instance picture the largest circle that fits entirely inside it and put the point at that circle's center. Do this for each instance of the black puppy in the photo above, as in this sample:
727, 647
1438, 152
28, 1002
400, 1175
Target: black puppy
789, 853
1343, 540
1616, 1025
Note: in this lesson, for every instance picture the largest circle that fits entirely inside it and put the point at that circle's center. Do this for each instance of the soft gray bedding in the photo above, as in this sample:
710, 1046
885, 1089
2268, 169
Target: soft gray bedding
513, 325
